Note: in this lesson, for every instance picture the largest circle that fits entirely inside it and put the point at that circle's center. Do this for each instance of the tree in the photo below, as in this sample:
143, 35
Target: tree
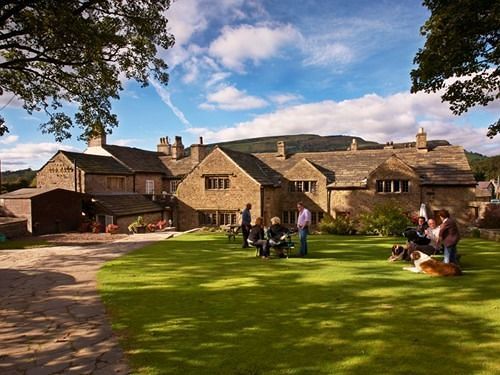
63, 51
461, 54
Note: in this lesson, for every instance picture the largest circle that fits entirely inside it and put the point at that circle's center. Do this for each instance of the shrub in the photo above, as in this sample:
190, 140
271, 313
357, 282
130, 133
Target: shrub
339, 225
491, 218
385, 219
475, 233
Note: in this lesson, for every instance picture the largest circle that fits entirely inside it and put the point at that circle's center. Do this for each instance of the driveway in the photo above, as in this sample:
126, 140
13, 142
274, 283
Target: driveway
52, 320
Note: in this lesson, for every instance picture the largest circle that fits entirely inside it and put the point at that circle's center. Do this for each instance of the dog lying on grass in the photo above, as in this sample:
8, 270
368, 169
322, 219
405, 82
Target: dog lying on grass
400, 252
424, 263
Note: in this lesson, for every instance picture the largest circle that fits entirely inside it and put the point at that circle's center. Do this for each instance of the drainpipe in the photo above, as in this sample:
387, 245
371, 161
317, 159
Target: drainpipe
262, 201
328, 201
74, 174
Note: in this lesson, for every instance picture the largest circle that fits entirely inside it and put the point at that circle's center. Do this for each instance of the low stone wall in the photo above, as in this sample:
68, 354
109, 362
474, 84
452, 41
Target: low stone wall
490, 234
13, 227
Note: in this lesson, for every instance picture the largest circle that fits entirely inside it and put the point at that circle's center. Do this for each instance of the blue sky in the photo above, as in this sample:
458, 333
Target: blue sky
251, 68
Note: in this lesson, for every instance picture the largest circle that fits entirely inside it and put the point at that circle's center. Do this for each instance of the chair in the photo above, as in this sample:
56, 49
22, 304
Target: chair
285, 245
257, 248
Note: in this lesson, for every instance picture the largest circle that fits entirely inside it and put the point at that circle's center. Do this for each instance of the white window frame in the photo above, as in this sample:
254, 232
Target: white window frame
150, 186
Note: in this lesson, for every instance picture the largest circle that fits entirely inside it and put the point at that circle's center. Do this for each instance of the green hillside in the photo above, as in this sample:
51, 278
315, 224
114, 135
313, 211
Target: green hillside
13, 180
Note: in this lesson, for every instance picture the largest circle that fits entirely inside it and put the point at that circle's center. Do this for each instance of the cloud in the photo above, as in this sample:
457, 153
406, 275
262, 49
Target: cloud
8, 139
231, 99
286, 98
238, 44
23, 155
393, 118
165, 97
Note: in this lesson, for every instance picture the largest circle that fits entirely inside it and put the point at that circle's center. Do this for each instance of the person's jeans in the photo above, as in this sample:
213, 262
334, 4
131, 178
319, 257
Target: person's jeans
450, 254
303, 241
245, 231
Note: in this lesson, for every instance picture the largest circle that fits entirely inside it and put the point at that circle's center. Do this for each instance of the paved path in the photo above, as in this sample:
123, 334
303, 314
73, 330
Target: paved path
52, 320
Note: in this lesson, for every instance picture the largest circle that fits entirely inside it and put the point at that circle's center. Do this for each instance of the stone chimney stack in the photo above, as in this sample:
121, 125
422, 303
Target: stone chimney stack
281, 146
164, 146
421, 143
198, 151
97, 140
177, 148
354, 145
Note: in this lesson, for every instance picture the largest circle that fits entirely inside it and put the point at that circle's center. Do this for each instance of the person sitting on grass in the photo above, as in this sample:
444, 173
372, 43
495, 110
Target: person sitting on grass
256, 238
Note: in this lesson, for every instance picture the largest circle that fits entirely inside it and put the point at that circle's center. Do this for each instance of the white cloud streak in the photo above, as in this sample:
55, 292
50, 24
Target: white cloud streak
165, 97
231, 99
372, 117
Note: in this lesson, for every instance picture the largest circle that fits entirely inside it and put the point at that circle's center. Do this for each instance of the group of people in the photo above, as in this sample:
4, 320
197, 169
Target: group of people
445, 235
276, 235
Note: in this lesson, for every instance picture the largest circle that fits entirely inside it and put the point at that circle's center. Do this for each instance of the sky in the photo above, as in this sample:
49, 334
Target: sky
252, 68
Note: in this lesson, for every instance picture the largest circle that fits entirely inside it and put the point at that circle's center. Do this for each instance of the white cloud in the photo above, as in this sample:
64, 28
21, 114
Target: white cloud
393, 118
8, 139
286, 98
165, 97
231, 99
236, 45
24, 155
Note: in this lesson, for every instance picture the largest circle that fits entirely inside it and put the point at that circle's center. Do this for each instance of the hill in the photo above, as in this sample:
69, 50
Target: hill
13, 180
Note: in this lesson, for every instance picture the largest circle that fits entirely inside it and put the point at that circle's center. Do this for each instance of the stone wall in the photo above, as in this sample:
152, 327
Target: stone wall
57, 172
194, 197
140, 182
21, 208
95, 183
13, 227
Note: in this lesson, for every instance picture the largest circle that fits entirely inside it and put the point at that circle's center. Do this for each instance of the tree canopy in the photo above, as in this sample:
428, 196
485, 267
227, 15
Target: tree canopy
461, 54
54, 52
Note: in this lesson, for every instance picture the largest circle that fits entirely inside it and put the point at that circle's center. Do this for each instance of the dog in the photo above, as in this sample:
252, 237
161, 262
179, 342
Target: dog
399, 252
424, 263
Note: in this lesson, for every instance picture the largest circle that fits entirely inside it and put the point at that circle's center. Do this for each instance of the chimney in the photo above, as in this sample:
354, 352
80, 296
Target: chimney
97, 140
389, 145
198, 151
177, 148
354, 145
164, 146
281, 146
421, 143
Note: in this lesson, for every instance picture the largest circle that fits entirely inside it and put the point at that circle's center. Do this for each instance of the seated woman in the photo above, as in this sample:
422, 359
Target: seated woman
277, 235
421, 238
256, 238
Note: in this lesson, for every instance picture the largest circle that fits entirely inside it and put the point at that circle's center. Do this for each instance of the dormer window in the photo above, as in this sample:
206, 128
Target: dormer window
302, 186
217, 182
393, 186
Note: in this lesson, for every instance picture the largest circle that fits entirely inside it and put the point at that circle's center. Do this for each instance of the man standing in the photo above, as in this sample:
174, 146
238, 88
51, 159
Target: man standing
303, 222
246, 223
449, 236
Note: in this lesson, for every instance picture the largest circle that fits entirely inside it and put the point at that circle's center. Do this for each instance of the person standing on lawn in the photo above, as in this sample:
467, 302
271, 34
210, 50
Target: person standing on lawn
246, 224
449, 237
303, 222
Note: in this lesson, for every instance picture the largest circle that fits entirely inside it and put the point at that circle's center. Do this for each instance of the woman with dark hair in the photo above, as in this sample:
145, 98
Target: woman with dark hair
257, 239
449, 236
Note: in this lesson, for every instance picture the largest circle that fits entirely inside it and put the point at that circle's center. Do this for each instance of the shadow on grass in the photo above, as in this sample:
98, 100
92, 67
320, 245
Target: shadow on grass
197, 304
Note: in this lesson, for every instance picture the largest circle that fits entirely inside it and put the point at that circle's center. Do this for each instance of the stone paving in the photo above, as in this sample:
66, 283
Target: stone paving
52, 320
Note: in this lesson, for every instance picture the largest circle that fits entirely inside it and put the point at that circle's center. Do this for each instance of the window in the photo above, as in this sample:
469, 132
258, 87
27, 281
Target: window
213, 218
289, 217
217, 183
150, 187
173, 186
115, 183
393, 186
302, 186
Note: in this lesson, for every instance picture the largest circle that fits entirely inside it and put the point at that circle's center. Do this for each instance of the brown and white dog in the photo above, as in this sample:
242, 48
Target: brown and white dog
399, 252
424, 263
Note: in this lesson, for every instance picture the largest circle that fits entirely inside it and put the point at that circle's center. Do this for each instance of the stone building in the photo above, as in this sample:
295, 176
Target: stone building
209, 188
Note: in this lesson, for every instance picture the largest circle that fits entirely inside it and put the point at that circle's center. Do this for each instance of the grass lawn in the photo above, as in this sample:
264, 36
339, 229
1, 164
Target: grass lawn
197, 304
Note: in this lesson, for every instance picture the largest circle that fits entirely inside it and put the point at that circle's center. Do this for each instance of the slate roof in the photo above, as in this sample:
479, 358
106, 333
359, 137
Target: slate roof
178, 168
443, 165
126, 204
27, 193
254, 167
97, 164
138, 160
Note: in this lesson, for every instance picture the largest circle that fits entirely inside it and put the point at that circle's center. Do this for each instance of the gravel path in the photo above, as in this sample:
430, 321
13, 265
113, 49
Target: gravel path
52, 320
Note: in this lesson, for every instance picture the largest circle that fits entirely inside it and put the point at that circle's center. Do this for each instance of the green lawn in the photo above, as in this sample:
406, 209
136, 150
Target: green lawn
197, 304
